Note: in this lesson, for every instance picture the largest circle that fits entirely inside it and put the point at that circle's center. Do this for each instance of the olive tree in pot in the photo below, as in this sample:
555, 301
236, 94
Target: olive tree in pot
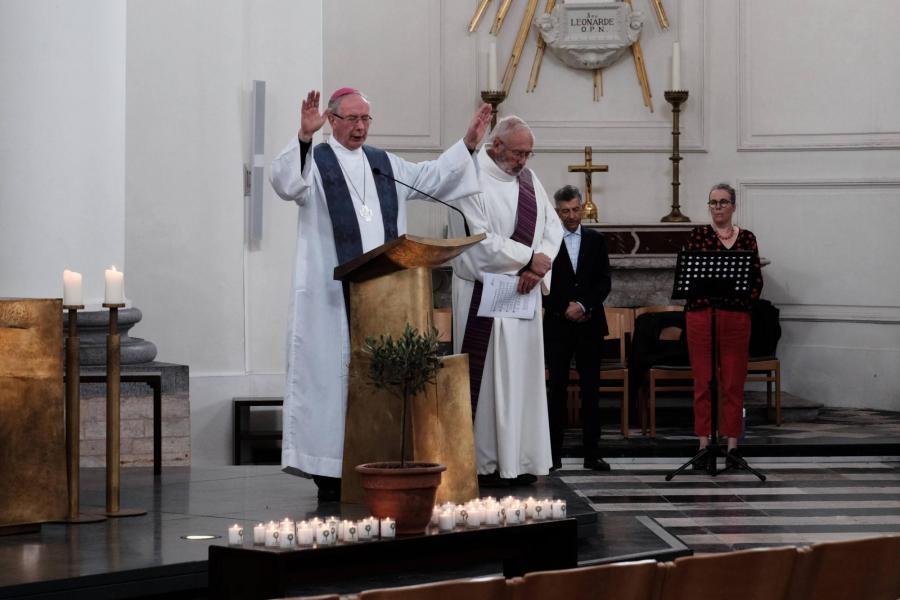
403, 490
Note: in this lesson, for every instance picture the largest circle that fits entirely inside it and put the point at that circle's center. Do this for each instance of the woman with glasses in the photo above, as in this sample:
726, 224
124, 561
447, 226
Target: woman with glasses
732, 326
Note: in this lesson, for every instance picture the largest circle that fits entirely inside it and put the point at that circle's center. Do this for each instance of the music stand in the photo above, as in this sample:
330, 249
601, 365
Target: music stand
713, 276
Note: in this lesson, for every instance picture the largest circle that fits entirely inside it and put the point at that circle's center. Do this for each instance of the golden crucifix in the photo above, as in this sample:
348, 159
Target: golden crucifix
588, 168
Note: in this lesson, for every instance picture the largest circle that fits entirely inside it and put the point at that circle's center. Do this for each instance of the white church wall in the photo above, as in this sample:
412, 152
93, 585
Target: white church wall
62, 190
793, 105
210, 301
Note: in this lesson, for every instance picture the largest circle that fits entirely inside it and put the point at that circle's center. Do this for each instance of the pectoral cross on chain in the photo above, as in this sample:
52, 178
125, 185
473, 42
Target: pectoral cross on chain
588, 168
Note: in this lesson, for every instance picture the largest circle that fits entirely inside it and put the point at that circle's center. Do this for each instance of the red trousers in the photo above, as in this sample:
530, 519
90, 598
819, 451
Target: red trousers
733, 333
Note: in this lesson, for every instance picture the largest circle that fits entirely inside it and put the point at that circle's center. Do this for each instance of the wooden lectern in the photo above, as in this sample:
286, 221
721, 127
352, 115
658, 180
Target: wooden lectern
390, 286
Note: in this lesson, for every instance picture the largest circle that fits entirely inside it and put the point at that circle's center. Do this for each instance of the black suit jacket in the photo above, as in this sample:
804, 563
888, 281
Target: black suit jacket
589, 285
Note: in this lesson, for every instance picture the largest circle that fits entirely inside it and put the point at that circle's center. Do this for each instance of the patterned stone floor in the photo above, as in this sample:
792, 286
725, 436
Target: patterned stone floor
833, 477
804, 500
849, 430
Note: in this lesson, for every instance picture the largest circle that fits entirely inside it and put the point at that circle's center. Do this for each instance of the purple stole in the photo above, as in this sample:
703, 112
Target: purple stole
478, 329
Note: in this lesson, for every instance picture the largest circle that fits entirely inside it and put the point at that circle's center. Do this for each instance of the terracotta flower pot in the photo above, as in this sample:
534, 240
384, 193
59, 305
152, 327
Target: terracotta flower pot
406, 494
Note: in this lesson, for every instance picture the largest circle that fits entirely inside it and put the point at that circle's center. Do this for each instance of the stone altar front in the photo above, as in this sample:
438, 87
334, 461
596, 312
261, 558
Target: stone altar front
642, 260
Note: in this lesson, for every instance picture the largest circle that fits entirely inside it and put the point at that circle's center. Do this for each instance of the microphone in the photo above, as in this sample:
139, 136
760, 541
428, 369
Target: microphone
377, 171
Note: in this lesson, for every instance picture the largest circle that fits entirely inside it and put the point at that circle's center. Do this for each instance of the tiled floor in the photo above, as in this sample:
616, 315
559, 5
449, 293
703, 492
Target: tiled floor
804, 500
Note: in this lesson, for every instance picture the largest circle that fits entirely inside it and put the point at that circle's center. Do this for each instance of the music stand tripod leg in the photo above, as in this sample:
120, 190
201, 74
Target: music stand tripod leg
697, 457
739, 464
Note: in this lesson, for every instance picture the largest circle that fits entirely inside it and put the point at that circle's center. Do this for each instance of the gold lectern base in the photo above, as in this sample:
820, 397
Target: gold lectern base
441, 417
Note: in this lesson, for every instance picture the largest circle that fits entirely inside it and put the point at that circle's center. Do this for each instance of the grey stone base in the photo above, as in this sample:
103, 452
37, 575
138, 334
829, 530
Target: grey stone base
137, 418
93, 328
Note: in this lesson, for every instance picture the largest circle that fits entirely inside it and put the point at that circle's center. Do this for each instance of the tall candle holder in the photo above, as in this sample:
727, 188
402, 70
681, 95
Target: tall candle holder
676, 98
494, 98
73, 420
113, 418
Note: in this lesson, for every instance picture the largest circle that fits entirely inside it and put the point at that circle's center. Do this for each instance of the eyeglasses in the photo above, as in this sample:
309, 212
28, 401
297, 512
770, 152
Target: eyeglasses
520, 154
364, 119
719, 203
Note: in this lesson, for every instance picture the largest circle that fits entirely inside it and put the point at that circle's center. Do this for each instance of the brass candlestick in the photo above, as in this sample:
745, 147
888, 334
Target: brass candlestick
494, 98
676, 98
73, 420
113, 418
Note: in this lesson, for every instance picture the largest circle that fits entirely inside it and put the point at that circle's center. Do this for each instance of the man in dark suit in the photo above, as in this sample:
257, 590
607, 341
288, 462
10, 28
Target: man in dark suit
574, 323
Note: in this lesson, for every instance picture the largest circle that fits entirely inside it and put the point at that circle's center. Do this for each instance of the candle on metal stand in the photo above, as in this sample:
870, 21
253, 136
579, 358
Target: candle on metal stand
676, 66
115, 286
72, 292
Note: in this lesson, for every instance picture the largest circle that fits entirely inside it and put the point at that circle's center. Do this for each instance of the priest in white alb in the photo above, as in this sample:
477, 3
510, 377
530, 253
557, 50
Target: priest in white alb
506, 355
345, 210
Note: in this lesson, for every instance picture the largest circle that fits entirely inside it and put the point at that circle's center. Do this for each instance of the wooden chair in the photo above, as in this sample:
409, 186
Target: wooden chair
620, 322
759, 574
621, 581
621, 325
662, 378
867, 568
493, 588
672, 378
767, 369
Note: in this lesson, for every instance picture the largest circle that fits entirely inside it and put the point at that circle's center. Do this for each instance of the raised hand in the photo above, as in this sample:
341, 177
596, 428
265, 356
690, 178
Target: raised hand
311, 120
477, 128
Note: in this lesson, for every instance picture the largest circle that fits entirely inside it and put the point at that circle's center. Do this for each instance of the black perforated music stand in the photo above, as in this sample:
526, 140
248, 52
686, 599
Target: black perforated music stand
714, 276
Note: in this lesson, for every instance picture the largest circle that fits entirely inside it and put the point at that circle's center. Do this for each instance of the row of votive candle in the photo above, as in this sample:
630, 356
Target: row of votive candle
316, 531
490, 512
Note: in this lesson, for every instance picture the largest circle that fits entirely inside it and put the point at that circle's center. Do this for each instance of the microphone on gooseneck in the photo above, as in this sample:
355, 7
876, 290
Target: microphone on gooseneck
377, 171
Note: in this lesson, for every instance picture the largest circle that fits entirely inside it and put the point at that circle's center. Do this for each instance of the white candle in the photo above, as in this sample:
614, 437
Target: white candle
388, 528
115, 287
446, 521
72, 295
325, 536
365, 529
272, 535
259, 534
476, 516
435, 513
286, 536
493, 515
676, 66
351, 532
559, 509
515, 514
235, 535
304, 534
529, 505
492, 66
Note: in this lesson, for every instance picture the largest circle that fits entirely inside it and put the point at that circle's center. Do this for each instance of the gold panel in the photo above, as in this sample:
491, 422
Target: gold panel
33, 484
441, 419
384, 306
443, 432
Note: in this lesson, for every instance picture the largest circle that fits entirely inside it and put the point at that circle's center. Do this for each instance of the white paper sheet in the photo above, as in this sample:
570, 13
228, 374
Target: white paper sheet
499, 298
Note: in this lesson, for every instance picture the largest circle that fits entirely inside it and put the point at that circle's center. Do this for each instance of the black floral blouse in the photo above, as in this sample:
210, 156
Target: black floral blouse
703, 237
